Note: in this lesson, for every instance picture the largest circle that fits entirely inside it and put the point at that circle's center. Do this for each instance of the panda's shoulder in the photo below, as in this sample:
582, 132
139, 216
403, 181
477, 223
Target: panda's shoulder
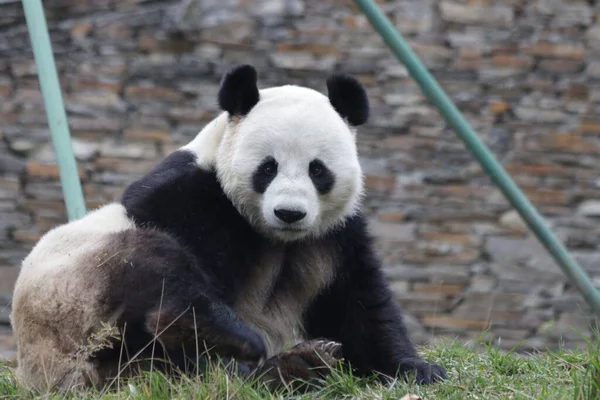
180, 163
178, 181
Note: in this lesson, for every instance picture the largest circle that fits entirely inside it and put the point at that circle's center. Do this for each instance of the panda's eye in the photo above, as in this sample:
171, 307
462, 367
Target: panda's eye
264, 174
269, 168
321, 176
315, 169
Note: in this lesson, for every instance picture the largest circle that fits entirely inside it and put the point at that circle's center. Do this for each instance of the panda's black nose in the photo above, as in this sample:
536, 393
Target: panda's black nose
289, 216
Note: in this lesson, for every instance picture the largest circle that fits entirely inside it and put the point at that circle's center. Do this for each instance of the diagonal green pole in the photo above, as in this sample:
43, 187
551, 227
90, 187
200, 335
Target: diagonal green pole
489, 164
55, 111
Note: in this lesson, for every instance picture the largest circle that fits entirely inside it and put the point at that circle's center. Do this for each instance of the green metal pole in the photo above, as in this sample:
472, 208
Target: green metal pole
489, 164
55, 112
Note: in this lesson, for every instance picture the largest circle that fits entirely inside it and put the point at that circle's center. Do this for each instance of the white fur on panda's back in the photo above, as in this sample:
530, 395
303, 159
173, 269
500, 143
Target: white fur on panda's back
206, 143
64, 250
60, 247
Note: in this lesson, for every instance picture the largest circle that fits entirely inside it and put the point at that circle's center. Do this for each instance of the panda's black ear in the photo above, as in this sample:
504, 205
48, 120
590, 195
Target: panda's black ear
349, 98
238, 92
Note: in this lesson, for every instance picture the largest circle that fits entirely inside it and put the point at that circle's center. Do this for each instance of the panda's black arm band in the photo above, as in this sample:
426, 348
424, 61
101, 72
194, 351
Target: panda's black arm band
148, 197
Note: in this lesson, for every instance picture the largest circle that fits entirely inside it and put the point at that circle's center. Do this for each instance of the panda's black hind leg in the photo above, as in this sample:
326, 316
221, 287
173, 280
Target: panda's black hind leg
160, 292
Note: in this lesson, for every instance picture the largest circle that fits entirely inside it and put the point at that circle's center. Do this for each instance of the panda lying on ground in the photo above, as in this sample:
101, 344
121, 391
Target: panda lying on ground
248, 241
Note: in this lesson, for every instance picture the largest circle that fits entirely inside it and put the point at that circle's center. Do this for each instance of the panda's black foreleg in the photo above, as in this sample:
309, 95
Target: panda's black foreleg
359, 311
363, 317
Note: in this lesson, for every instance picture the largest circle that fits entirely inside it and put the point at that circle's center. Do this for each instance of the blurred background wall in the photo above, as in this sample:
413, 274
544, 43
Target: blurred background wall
140, 79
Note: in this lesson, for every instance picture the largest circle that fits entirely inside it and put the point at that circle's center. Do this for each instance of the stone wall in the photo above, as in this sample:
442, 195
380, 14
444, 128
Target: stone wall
140, 79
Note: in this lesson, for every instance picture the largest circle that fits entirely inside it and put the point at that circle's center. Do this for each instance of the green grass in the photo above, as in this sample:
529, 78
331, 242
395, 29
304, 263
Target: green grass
485, 373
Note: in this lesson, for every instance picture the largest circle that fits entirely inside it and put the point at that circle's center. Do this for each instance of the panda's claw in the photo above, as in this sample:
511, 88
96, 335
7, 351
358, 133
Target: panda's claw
332, 349
332, 346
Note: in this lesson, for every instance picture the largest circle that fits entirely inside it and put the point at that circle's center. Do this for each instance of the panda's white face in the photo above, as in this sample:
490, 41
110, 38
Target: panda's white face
290, 166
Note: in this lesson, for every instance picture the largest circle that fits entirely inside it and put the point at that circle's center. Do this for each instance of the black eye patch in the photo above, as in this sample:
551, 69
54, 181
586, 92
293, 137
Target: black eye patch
321, 176
264, 175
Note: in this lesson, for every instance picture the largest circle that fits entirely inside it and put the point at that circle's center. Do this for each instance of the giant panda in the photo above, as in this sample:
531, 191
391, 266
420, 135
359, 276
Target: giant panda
249, 241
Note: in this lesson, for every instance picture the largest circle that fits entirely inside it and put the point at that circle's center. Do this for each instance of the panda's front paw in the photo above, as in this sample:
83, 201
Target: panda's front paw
244, 345
301, 366
423, 372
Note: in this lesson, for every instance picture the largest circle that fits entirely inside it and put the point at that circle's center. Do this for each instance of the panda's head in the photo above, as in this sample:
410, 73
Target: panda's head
287, 158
